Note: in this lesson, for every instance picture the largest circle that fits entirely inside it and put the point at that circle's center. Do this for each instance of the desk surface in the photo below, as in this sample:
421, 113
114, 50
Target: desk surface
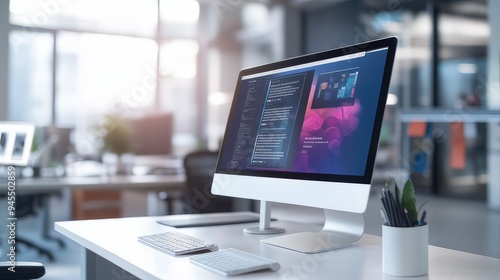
116, 241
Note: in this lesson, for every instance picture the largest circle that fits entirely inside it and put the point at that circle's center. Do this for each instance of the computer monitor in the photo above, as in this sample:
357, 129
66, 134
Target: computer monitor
16, 139
305, 131
152, 135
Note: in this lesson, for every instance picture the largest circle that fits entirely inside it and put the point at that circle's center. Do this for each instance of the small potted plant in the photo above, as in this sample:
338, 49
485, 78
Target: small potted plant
404, 233
115, 137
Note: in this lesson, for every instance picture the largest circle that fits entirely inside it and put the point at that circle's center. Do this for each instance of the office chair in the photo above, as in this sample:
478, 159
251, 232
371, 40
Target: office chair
23, 271
199, 167
27, 205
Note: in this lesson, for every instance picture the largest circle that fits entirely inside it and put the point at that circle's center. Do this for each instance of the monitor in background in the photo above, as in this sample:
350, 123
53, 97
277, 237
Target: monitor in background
62, 138
305, 131
16, 139
151, 141
152, 135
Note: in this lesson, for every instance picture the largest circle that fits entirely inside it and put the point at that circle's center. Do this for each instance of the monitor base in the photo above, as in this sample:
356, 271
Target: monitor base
264, 222
341, 230
258, 230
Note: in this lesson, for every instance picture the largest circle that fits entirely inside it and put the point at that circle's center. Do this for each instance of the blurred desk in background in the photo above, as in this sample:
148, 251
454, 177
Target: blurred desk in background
105, 196
120, 182
99, 196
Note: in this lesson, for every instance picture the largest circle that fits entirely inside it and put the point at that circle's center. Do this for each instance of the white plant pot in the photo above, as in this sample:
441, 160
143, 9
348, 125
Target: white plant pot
405, 250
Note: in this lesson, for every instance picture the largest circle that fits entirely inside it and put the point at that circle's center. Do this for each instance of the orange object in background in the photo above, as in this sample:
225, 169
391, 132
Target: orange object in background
457, 152
417, 129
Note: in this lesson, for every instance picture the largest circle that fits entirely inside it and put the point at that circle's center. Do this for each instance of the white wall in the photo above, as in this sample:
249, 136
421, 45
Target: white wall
4, 57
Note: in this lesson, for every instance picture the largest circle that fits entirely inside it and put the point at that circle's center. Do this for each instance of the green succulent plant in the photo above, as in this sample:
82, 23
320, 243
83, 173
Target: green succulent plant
408, 200
115, 135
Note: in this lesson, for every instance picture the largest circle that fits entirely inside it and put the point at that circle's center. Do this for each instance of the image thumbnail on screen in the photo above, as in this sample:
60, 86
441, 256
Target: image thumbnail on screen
336, 89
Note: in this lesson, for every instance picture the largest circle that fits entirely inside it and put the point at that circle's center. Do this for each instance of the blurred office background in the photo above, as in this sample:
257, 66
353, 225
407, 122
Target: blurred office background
69, 65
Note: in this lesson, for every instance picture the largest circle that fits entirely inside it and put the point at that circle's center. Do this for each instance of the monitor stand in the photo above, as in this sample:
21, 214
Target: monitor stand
341, 229
264, 221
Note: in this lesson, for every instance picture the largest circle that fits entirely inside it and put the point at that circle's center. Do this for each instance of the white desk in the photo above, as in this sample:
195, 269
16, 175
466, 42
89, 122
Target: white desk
111, 245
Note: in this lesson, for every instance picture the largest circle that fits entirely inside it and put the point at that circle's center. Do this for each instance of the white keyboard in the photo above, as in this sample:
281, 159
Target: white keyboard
232, 262
176, 243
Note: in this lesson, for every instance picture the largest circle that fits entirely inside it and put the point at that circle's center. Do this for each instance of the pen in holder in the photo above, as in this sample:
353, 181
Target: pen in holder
405, 237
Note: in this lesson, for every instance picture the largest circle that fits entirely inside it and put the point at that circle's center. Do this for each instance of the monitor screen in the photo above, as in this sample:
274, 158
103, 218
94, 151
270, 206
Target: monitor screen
313, 120
305, 131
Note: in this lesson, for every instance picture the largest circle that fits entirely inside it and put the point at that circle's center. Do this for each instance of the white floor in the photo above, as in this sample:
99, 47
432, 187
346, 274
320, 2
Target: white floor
456, 224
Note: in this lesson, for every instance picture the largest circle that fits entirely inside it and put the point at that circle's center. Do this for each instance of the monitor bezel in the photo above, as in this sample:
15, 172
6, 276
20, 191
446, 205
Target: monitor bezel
389, 43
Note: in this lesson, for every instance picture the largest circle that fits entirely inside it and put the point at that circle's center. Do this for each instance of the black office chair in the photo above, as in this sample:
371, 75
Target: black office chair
21, 271
199, 167
27, 205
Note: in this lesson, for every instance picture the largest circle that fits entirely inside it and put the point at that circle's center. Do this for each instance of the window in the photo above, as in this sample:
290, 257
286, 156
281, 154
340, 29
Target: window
131, 17
178, 59
88, 58
180, 11
30, 79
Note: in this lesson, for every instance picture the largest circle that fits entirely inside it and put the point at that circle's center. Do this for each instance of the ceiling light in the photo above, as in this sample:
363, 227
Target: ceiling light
392, 99
467, 68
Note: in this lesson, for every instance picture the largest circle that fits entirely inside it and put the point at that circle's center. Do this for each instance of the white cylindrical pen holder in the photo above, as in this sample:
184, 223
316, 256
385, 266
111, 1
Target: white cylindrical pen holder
405, 250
